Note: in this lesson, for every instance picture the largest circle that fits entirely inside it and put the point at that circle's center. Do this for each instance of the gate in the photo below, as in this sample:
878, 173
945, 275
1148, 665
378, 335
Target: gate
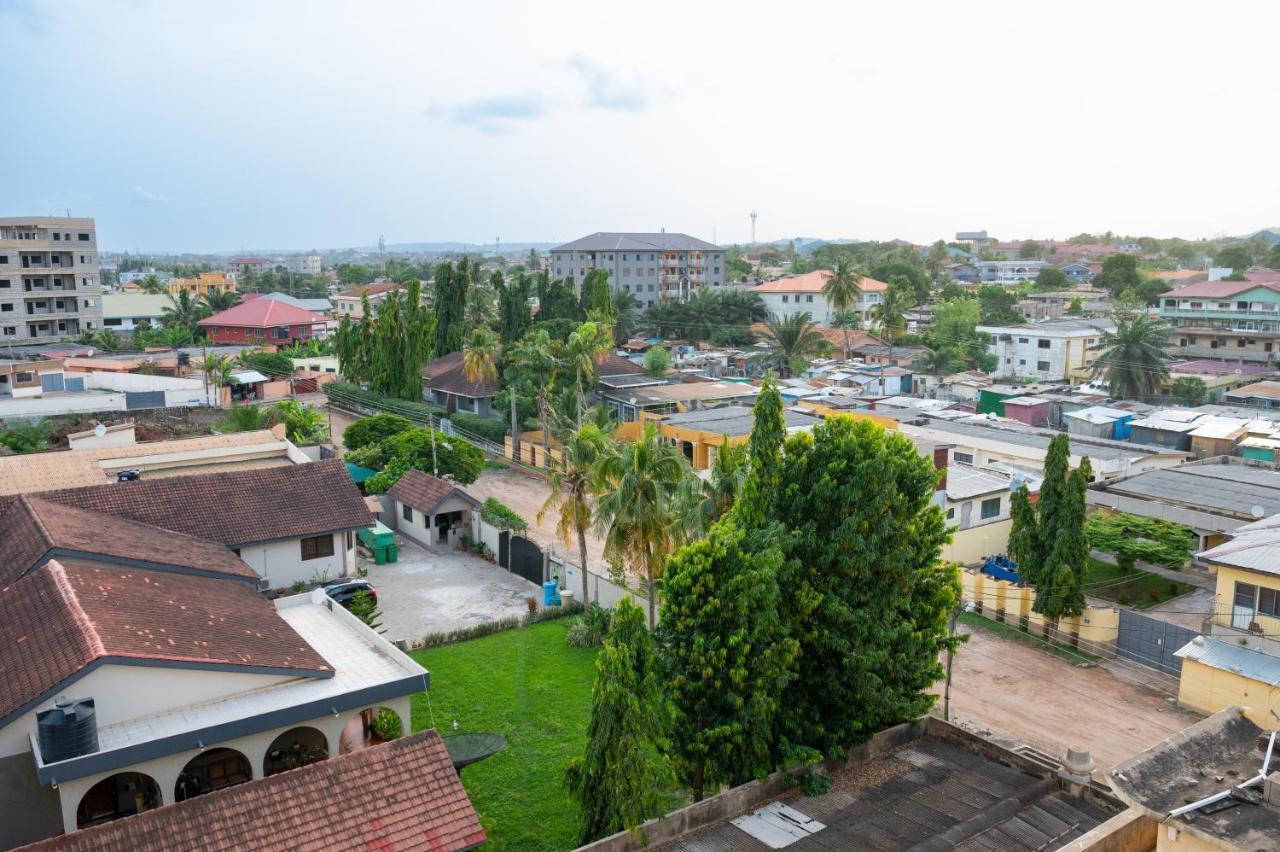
50, 382
504, 549
1152, 642
143, 399
526, 559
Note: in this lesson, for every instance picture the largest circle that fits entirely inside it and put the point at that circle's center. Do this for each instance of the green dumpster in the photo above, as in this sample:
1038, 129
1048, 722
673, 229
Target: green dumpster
382, 541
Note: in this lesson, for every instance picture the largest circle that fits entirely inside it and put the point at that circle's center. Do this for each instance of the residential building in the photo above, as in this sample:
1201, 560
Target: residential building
126, 278
350, 303
264, 321
431, 511
1264, 394
304, 264
202, 285
126, 312
445, 383
699, 434
661, 267
29, 378
248, 264
1048, 350
1008, 271
49, 284
1079, 273
320, 306
1246, 610
802, 294
977, 506
1230, 320
629, 401
1099, 421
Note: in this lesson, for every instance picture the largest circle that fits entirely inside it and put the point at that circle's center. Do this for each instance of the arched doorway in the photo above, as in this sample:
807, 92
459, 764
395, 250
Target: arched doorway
212, 770
370, 726
294, 748
119, 795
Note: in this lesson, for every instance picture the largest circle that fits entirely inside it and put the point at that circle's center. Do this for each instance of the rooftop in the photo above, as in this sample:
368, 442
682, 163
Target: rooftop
733, 420
448, 374
1228, 489
813, 282
965, 482
624, 241
1055, 327
262, 313
1097, 414
1039, 440
689, 392
317, 305
1260, 390
370, 289
425, 492
1234, 658
1254, 547
399, 795
122, 305
1220, 289
1208, 366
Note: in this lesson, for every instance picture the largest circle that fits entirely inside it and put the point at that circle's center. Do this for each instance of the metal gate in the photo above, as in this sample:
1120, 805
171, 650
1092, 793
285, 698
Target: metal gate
526, 559
143, 399
504, 549
50, 382
1152, 642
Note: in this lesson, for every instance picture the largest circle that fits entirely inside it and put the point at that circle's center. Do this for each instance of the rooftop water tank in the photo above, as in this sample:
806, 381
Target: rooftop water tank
67, 730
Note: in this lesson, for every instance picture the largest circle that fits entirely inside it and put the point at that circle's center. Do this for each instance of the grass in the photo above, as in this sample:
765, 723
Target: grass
534, 689
1013, 634
1141, 590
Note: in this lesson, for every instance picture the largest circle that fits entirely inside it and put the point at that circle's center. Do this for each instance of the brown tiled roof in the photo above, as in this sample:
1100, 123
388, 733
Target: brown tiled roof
424, 492
371, 289
33, 528
616, 365
236, 508
401, 795
71, 613
448, 374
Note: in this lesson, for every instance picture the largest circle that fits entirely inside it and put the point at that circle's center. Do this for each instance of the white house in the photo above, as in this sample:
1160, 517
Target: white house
797, 294
1047, 350
127, 311
431, 511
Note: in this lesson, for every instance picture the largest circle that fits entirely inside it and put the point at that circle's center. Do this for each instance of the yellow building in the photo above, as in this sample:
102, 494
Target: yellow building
208, 282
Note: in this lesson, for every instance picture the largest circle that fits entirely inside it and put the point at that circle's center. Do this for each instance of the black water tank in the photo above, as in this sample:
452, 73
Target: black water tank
68, 730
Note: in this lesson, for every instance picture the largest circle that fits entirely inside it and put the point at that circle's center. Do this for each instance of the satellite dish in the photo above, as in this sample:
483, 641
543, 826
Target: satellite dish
1257, 511
100, 430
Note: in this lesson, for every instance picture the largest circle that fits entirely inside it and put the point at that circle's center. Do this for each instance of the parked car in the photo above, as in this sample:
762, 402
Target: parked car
344, 590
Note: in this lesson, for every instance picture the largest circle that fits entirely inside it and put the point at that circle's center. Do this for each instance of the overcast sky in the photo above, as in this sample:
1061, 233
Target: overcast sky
192, 126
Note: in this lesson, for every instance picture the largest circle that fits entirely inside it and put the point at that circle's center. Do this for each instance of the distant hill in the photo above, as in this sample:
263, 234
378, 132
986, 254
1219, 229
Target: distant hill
463, 247
1271, 235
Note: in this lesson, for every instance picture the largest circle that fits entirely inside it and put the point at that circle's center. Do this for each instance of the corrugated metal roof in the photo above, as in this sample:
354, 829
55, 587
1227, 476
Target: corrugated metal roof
1230, 489
964, 482
1254, 548
615, 241
1236, 659
1097, 414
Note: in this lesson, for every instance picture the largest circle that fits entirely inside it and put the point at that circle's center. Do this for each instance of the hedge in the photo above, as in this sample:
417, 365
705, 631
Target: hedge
497, 514
345, 392
482, 427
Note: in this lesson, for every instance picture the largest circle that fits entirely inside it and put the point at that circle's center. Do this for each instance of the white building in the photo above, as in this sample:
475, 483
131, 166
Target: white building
303, 264
654, 268
1009, 271
797, 294
125, 312
1049, 350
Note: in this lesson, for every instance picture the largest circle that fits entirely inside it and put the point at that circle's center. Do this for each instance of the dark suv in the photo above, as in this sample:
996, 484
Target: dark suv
344, 590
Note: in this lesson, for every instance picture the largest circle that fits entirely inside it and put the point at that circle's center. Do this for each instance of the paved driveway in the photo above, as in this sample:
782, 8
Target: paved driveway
431, 593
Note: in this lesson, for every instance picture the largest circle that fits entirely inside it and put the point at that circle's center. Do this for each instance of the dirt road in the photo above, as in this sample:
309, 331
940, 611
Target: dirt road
525, 495
1025, 695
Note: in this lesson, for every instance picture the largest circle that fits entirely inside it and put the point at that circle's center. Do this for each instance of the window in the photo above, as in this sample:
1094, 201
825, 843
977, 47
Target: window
1269, 602
24, 378
317, 547
4, 258
406, 512
4, 283
966, 458
809, 298
1042, 366
784, 298
10, 331
57, 236
1022, 362
951, 514
1024, 340
990, 508
1043, 343
84, 238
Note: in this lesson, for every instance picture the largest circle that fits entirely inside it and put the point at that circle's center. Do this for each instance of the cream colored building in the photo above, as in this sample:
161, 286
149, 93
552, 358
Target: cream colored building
49, 284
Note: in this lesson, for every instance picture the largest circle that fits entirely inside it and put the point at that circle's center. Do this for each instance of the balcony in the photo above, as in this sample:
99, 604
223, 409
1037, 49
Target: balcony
671, 292
1257, 310
669, 263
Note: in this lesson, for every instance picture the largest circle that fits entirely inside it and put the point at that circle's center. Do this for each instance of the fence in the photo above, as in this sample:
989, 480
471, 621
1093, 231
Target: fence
602, 590
1094, 631
1152, 642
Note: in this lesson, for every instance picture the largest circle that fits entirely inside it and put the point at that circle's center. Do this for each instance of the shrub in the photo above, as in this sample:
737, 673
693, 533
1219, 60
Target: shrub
354, 396
374, 430
657, 361
413, 450
24, 437
273, 364
248, 418
481, 427
303, 424
1154, 594
1122, 599
497, 514
1174, 589
386, 724
590, 628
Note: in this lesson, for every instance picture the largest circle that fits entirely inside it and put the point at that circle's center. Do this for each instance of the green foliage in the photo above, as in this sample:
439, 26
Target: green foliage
789, 342
657, 361
273, 364
27, 437
722, 316
451, 306
303, 424
411, 450
353, 344
353, 274
515, 317
1190, 390
1053, 494
590, 628
386, 725
998, 305
497, 514
373, 430
725, 658
1236, 257
482, 427
620, 780
1024, 535
1076, 307
1060, 590
1133, 357
1131, 537
1030, 250
394, 369
248, 418
906, 266
1119, 273
556, 301
345, 393
1050, 278
595, 293
364, 608
768, 434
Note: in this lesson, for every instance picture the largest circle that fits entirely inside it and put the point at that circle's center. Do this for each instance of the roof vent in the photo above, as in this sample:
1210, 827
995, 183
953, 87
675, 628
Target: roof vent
128, 475
68, 730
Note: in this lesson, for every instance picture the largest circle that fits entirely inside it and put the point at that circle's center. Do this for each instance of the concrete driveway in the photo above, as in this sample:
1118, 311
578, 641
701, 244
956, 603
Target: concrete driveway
427, 592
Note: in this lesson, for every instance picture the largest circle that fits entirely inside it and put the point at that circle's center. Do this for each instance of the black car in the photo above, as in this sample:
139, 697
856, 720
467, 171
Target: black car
344, 590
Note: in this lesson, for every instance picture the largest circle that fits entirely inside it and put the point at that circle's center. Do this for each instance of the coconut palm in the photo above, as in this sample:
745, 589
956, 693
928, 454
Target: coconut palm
480, 356
841, 290
581, 352
218, 370
247, 418
216, 301
107, 340
790, 341
702, 500
636, 490
1133, 357
570, 478
151, 284
943, 361
532, 359
183, 311
626, 309
891, 313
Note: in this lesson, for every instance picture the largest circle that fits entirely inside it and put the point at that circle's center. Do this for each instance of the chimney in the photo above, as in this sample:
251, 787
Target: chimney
1076, 771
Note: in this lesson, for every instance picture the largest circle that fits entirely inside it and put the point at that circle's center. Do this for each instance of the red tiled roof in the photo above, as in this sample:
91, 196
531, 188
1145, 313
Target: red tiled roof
449, 375
32, 528
262, 313
70, 613
812, 282
425, 492
371, 289
401, 795
236, 507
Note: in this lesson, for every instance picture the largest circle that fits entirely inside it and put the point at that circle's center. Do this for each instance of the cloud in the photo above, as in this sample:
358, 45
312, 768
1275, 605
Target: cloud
494, 114
606, 90
141, 195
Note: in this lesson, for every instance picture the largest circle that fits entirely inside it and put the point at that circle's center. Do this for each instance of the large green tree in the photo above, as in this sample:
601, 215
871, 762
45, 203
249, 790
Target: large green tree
725, 658
764, 453
514, 315
622, 778
451, 285
1050, 278
1119, 273
1133, 358
1024, 535
1060, 590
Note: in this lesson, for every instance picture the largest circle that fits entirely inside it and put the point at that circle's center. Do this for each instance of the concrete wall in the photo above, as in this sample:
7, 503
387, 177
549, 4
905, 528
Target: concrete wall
601, 589
969, 546
1209, 690
61, 404
21, 793
1127, 831
1097, 627
282, 565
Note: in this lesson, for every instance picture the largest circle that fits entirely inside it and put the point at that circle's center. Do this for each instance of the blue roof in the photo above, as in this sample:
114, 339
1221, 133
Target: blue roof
359, 474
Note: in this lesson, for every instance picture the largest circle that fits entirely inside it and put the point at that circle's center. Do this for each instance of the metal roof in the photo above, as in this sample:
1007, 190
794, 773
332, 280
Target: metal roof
964, 482
1255, 547
623, 241
734, 420
1225, 489
1111, 450
1236, 659
1097, 414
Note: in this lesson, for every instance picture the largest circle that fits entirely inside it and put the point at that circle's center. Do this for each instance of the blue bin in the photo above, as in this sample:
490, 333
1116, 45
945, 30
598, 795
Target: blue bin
551, 593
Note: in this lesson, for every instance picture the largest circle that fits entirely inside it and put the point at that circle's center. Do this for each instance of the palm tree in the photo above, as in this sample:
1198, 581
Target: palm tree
480, 356
701, 313
183, 311
107, 340
842, 289
247, 418
942, 361
218, 370
704, 500
846, 319
177, 337
570, 478
891, 313
626, 308
533, 360
216, 301
789, 341
1133, 357
636, 506
149, 283
581, 352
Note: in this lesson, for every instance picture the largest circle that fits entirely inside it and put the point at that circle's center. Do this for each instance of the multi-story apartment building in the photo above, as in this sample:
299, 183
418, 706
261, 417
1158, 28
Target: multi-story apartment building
49, 286
206, 283
798, 294
1232, 320
303, 264
1009, 271
1046, 350
655, 268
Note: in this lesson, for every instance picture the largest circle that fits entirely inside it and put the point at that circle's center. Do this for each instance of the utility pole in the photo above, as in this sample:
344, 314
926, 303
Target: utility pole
951, 632
435, 465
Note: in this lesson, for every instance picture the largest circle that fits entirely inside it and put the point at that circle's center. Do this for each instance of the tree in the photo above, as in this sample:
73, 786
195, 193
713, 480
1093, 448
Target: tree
1190, 390
571, 479
1272, 258
419, 449
789, 342
218, 370
626, 315
303, 424
944, 361
636, 505
841, 290
107, 340
1060, 591
366, 609
354, 274
1119, 273
1132, 358
867, 596
216, 301
354, 347
657, 361
391, 372
514, 316
1024, 534
725, 658
584, 349
480, 357
183, 311
451, 306
374, 430
764, 452
595, 292
621, 779
1235, 257
891, 313
247, 418
1050, 278
998, 306
935, 262
27, 437
1076, 307
955, 323
1053, 488
903, 265
152, 285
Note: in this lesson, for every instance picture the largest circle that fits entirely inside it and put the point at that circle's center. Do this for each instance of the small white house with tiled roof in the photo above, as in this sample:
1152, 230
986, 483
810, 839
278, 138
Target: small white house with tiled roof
798, 294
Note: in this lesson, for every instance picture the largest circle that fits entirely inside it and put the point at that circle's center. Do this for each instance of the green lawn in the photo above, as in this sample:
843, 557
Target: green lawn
1141, 590
533, 688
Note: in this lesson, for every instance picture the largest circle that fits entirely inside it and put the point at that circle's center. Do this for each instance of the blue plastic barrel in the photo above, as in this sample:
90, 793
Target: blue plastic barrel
550, 593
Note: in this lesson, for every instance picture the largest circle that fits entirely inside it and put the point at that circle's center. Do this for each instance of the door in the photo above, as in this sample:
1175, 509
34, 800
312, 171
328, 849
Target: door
1242, 607
50, 382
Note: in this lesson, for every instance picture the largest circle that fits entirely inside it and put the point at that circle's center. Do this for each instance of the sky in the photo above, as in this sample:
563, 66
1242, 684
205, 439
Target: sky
229, 125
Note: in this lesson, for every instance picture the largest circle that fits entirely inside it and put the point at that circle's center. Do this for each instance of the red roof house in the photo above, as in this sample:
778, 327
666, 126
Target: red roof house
260, 321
